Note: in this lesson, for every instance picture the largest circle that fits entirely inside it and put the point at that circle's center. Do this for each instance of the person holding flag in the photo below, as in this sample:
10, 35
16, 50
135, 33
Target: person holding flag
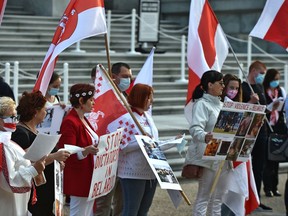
255, 79
206, 108
122, 76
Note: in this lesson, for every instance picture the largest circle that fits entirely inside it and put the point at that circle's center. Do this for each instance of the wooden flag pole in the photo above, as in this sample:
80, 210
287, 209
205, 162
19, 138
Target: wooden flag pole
108, 56
132, 115
120, 95
216, 179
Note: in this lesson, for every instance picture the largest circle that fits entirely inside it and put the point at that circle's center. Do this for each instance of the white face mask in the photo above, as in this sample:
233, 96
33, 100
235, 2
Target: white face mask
124, 84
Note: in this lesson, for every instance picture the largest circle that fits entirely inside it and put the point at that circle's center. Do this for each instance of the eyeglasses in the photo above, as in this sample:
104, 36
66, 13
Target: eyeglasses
220, 82
13, 119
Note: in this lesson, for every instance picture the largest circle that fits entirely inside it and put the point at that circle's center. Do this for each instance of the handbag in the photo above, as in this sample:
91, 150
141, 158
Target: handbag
191, 171
278, 147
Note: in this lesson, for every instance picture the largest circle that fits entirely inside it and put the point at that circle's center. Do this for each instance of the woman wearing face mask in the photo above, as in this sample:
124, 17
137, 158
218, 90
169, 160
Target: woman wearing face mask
232, 90
53, 90
276, 119
16, 173
32, 111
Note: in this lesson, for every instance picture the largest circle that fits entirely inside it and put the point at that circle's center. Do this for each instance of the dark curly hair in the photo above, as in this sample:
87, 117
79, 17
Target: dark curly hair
28, 105
81, 90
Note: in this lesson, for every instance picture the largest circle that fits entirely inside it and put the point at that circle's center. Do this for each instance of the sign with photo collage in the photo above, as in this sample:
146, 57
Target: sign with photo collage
235, 131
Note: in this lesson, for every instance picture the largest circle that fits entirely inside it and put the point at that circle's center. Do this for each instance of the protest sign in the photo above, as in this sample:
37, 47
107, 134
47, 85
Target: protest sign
235, 131
105, 167
59, 196
53, 119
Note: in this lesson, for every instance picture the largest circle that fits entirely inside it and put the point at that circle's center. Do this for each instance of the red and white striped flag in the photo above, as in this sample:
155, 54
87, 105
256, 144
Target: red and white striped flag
2, 9
273, 23
81, 19
242, 197
207, 46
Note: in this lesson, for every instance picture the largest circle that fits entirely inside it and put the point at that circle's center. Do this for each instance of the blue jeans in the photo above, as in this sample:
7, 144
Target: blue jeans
138, 195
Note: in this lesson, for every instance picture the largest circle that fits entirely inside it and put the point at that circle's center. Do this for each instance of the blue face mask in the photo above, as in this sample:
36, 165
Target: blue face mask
124, 84
53, 91
274, 83
259, 78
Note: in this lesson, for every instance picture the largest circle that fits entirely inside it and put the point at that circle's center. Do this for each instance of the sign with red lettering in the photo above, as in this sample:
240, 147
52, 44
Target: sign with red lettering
105, 166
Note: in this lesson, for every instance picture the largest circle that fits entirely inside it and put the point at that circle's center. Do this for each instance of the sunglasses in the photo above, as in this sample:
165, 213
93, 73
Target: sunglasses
13, 119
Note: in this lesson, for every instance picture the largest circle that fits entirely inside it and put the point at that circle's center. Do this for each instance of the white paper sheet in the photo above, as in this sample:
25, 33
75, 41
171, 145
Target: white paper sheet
42, 145
72, 149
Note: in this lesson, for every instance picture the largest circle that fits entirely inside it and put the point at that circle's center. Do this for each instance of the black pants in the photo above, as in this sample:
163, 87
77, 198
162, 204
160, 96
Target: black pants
270, 176
259, 160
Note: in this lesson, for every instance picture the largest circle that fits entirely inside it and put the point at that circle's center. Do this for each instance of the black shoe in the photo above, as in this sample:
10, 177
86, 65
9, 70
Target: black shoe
276, 193
264, 207
268, 194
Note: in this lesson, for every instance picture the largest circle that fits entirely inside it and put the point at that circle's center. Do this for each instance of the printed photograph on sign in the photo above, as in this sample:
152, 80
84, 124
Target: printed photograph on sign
153, 150
212, 147
53, 119
255, 126
224, 147
235, 149
228, 122
247, 148
245, 123
166, 174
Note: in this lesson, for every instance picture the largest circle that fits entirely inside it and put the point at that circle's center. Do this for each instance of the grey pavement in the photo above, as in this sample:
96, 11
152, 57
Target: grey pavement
178, 123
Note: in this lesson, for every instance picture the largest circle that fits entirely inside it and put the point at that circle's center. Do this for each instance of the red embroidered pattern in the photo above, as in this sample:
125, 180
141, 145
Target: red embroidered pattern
6, 174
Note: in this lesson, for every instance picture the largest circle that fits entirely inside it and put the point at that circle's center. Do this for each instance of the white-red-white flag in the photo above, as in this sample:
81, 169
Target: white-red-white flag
273, 23
145, 76
242, 197
2, 9
207, 47
253, 199
107, 106
81, 19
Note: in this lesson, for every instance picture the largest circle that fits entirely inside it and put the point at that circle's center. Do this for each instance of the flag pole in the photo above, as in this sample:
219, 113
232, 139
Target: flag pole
216, 179
120, 95
108, 56
245, 77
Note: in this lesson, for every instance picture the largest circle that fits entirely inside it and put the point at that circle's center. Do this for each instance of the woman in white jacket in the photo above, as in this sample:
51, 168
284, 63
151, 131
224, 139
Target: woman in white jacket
15, 171
206, 108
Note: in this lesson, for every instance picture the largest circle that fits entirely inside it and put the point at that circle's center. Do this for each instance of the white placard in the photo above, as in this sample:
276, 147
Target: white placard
105, 167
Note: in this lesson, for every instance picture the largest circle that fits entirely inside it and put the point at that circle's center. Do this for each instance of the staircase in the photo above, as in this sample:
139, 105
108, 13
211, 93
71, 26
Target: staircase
26, 38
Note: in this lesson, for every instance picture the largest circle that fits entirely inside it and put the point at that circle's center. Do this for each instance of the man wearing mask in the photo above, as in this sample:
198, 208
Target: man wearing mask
122, 76
255, 77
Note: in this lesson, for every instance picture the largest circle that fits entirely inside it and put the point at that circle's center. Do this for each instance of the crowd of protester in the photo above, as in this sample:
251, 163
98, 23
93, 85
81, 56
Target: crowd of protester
135, 185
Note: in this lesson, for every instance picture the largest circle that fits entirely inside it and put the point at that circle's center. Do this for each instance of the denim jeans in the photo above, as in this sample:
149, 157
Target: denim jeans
138, 195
